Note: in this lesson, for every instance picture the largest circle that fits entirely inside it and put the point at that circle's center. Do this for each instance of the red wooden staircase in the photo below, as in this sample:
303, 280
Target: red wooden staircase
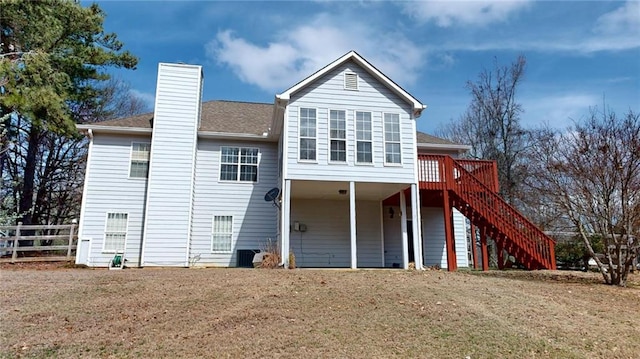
471, 188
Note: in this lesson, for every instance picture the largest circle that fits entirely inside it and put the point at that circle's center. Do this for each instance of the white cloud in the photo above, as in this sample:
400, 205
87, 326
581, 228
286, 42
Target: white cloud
302, 50
558, 110
148, 98
623, 20
613, 31
475, 13
618, 29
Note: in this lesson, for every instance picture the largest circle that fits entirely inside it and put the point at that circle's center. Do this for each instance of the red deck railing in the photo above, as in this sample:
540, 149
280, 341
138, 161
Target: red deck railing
431, 168
473, 187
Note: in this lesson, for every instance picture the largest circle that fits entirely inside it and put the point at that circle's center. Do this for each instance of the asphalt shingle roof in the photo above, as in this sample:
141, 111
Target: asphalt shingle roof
217, 116
422, 137
236, 117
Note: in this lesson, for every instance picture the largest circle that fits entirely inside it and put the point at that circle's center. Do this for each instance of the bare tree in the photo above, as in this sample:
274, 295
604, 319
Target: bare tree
592, 173
58, 171
491, 124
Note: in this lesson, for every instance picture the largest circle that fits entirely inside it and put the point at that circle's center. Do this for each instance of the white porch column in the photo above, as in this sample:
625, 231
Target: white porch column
352, 216
403, 227
285, 223
417, 235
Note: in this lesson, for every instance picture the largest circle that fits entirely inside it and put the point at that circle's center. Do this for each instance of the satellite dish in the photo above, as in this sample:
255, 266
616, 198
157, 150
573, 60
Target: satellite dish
272, 196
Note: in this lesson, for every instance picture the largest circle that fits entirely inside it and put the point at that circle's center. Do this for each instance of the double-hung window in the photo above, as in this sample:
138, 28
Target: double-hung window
239, 164
392, 138
307, 134
115, 232
364, 146
338, 136
139, 160
222, 234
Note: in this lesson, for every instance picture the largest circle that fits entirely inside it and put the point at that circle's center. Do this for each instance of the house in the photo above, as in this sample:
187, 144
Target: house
354, 185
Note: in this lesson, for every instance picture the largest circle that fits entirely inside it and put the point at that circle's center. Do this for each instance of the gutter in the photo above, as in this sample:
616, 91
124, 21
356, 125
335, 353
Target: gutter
203, 134
442, 146
232, 136
114, 129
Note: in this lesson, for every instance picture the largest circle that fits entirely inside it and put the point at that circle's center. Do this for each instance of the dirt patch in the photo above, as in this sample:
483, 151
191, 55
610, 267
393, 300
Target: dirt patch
313, 313
36, 265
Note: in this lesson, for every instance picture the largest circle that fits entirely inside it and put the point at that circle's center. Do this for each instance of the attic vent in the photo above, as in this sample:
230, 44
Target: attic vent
350, 81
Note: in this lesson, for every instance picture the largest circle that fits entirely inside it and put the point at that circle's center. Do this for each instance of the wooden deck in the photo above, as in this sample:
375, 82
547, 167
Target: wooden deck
471, 187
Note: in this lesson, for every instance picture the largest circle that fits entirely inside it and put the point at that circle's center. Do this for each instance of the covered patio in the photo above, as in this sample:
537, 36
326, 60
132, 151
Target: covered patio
339, 224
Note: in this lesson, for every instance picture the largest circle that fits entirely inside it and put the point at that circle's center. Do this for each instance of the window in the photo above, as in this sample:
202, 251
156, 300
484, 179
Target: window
239, 164
115, 232
364, 152
139, 160
307, 134
338, 136
350, 81
222, 234
392, 138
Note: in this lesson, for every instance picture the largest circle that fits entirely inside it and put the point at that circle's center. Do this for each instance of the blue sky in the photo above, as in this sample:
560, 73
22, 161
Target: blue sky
577, 52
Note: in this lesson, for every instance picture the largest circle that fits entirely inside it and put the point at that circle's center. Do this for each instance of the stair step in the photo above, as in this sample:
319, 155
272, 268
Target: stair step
503, 223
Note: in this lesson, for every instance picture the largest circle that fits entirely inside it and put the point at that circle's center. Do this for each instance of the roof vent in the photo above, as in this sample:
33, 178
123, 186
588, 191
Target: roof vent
350, 81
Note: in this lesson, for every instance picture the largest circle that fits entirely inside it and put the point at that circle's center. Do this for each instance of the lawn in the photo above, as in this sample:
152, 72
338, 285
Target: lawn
246, 313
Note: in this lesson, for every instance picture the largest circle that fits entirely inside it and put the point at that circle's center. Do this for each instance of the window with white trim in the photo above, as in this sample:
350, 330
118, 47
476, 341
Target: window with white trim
307, 134
392, 152
337, 136
222, 234
139, 160
364, 145
115, 232
239, 164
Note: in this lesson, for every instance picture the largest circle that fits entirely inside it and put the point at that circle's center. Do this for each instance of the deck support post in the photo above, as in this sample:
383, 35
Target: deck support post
415, 221
286, 223
485, 251
352, 216
403, 228
474, 252
448, 232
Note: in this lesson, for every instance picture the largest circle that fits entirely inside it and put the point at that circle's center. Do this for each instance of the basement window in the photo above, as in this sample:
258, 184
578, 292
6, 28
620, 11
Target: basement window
222, 234
115, 232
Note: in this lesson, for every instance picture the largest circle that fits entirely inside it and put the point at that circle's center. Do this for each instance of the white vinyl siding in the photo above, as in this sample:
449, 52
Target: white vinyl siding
392, 145
115, 232
239, 164
109, 189
308, 135
328, 93
364, 143
139, 167
254, 219
171, 168
337, 136
435, 245
326, 243
222, 235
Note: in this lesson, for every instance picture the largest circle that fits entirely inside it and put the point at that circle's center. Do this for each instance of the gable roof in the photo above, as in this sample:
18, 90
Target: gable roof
242, 119
223, 117
355, 57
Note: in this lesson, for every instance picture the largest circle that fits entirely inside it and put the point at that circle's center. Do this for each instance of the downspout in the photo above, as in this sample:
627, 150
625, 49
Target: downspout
143, 219
284, 232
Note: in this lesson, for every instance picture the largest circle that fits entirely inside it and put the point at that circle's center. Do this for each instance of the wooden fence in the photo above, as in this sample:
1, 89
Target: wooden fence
38, 243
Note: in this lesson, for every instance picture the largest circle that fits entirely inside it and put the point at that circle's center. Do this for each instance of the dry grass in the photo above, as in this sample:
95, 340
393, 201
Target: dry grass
314, 313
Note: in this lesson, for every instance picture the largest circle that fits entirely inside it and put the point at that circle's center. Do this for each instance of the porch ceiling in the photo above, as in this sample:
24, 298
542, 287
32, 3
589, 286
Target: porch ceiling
331, 190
